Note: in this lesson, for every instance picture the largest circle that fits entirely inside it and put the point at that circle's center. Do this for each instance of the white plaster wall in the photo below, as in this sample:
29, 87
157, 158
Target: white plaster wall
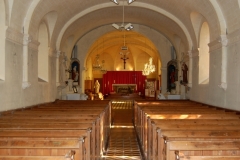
233, 77
12, 95
211, 93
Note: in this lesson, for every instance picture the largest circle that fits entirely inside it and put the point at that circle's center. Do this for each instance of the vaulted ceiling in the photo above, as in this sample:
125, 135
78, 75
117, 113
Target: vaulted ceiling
76, 18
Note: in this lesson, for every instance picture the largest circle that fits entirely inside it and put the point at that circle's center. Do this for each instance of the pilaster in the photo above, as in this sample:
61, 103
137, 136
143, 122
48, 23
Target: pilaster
57, 55
26, 41
164, 80
192, 54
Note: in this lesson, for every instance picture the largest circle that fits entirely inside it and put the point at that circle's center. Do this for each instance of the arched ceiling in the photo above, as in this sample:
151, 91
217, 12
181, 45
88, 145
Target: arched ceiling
76, 18
170, 17
114, 41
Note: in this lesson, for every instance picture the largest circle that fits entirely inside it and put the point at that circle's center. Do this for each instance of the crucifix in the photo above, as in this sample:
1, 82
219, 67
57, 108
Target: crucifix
124, 52
124, 58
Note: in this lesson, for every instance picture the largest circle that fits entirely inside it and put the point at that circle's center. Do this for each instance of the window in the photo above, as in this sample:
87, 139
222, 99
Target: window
204, 54
43, 53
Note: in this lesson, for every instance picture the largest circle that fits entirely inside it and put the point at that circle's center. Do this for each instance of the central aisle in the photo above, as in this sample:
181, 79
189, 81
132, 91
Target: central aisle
123, 141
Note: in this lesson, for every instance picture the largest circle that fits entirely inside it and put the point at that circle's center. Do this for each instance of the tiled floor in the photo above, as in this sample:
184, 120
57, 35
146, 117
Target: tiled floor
123, 141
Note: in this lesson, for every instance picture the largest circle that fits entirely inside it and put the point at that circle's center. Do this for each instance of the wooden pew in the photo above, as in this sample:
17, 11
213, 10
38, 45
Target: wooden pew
153, 142
81, 137
144, 127
51, 121
42, 147
34, 158
158, 137
175, 148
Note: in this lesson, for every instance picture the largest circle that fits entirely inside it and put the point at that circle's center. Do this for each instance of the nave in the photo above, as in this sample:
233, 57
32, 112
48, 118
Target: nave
104, 130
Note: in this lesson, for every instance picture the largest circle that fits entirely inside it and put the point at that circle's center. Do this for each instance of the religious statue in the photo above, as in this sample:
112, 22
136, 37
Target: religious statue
76, 76
74, 72
172, 78
97, 86
184, 72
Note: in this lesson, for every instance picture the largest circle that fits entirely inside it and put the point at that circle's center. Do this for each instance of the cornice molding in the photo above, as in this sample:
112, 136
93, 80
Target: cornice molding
14, 36
225, 40
193, 53
34, 45
234, 37
220, 42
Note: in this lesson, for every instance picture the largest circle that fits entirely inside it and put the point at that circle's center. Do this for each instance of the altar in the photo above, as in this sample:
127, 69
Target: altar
124, 88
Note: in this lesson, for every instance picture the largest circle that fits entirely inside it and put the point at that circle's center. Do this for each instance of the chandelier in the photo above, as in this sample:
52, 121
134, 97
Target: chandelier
96, 65
148, 67
103, 70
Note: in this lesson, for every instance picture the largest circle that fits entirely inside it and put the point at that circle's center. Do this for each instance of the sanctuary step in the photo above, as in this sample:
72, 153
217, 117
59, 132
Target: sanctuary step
118, 96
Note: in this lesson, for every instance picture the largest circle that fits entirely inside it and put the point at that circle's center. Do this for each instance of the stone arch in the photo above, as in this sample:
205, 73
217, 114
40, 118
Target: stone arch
136, 4
220, 16
29, 14
50, 20
43, 64
197, 20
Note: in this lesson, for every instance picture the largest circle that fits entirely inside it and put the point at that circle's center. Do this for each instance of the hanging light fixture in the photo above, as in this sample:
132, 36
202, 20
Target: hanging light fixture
103, 70
127, 27
96, 65
148, 67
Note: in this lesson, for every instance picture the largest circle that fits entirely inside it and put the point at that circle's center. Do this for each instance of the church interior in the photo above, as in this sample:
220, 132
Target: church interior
119, 79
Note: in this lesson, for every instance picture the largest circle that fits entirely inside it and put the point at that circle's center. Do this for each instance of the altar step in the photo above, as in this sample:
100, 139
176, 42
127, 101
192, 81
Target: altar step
116, 96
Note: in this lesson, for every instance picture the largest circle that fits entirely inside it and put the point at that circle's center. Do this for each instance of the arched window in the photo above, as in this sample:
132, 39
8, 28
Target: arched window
2, 40
43, 53
204, 54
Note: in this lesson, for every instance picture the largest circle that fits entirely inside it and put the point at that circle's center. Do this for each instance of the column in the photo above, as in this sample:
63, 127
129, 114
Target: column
82, 80
58, 53
26, 41
224, 41
164, 79
190, 68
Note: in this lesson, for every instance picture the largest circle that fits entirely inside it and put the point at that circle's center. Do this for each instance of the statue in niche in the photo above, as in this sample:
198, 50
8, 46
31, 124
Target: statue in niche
172, 76
184, 73
75, 71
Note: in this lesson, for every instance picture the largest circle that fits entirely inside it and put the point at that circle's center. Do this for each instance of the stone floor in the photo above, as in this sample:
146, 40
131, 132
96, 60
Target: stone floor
123, 141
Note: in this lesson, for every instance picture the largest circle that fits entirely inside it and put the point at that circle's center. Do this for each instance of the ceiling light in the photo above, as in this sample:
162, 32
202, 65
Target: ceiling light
115, 26
128, 25
130, 1
116, 1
